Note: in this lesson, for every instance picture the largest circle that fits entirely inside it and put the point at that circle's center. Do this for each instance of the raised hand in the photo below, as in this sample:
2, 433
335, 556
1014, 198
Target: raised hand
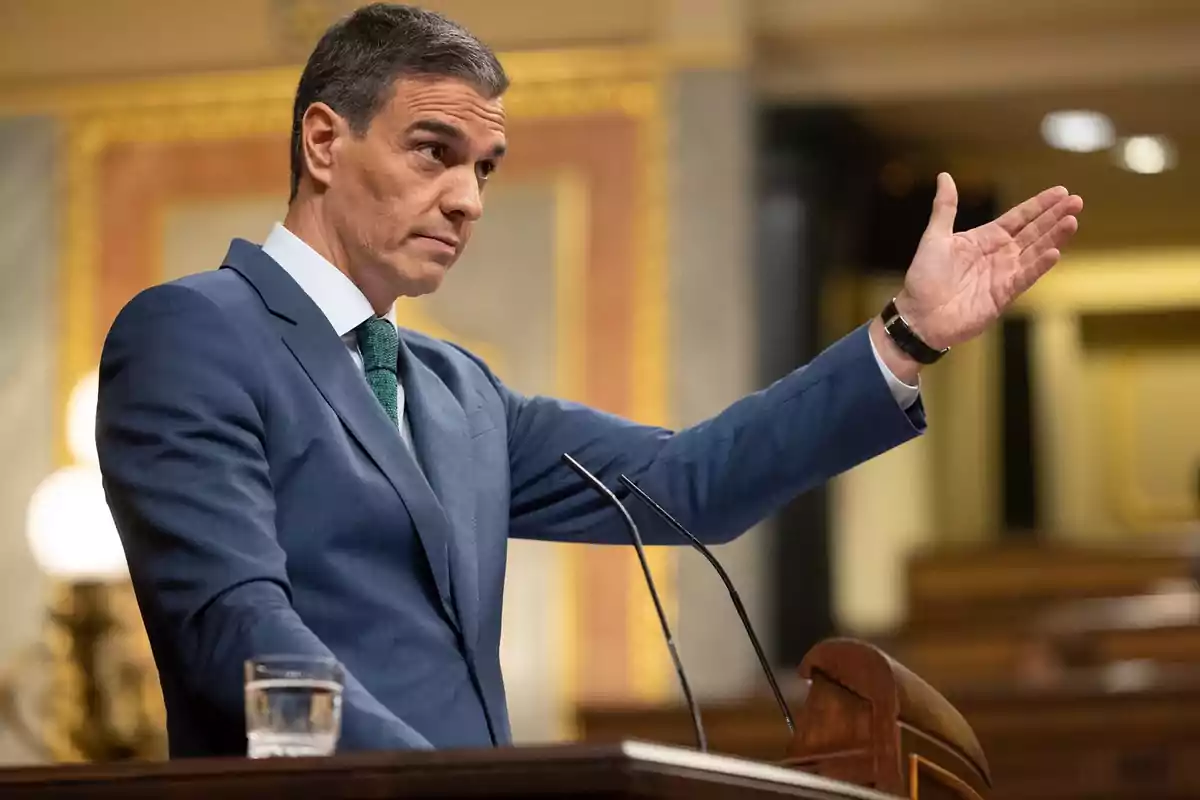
959, 283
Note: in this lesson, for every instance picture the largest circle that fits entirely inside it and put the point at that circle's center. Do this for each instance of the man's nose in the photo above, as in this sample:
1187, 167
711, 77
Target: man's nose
463, 197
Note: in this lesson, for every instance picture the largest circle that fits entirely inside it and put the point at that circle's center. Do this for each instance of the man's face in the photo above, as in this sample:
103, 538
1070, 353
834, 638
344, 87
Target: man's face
402, 198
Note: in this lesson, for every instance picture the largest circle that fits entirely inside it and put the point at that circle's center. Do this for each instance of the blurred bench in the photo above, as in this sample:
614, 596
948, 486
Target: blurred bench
1028, 613
1007, 584
1078, 669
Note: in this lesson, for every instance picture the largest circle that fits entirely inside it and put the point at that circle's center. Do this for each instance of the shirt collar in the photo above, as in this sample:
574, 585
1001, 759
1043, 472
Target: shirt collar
342, 303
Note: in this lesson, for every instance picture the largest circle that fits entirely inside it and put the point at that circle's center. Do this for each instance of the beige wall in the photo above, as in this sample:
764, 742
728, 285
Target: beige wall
28, 358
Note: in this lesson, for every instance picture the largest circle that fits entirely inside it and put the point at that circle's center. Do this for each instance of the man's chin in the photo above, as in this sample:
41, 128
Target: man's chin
424, 279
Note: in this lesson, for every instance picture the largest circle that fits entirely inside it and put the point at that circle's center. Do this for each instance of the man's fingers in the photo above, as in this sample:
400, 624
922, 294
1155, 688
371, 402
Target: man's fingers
1047, 221
1053, 239
1016, 218
1039, 258
1026, 276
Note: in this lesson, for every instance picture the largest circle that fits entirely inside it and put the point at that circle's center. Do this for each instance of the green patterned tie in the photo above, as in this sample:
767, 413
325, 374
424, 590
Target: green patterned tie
377, 343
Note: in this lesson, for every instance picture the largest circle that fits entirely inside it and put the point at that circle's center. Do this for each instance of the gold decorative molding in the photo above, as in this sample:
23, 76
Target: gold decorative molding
84, 139
570, 262
220, 90
544, 83
78, 241
570, 307
649, 668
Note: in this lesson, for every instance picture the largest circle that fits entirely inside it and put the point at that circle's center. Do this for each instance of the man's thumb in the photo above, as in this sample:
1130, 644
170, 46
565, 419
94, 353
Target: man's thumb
945, 206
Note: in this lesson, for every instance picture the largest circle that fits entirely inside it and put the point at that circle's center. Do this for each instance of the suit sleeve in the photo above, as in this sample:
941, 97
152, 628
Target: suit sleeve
181, 443
720, 477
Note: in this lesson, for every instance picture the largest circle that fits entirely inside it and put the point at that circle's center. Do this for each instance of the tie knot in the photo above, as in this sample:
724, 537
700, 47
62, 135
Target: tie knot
377, 343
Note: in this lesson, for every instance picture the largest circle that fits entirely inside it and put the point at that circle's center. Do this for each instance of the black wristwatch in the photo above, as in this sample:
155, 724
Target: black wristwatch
904, 337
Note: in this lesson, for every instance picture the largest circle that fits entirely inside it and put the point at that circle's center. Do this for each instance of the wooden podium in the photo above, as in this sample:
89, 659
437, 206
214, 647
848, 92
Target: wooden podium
869, 720
625, 770
870, 730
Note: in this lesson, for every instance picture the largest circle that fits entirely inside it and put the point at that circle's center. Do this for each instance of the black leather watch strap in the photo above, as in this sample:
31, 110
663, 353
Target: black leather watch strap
904, 337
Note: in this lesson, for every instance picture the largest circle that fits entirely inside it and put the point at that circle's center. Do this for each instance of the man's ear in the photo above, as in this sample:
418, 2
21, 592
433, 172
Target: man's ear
321, 130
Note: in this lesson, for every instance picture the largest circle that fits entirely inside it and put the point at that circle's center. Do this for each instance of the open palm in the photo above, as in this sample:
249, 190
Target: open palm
959, 283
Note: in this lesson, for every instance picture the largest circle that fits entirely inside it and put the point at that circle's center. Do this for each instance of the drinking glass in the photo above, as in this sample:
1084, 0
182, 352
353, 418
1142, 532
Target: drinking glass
293, 705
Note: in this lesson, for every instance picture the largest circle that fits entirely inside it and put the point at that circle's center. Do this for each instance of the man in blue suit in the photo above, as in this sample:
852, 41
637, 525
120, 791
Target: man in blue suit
291, 474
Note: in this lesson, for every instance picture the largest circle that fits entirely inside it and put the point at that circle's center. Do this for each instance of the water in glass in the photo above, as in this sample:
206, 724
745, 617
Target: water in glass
293, 707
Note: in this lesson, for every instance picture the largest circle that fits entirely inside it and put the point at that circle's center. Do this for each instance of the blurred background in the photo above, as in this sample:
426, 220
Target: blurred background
701, 195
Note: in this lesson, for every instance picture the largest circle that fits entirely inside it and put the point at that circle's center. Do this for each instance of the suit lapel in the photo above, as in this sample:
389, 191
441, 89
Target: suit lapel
323, 355
441, 439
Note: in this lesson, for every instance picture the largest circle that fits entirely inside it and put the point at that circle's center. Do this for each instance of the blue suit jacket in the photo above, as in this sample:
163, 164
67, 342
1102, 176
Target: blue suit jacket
268, 505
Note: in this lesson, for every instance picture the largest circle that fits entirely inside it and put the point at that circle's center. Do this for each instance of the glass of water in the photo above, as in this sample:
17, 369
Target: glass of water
293, 706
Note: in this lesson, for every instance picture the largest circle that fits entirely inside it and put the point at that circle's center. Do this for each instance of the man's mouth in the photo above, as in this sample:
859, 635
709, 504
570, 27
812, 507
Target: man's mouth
448, 241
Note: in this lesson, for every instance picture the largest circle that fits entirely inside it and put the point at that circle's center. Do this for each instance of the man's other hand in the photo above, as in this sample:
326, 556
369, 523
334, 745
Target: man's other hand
959, 283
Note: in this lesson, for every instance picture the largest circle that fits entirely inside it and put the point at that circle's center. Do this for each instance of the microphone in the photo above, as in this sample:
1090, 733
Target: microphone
733, 595
701, 739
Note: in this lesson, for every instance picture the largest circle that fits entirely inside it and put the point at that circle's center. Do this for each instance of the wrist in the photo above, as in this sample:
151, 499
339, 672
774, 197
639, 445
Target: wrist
903, 366
914, 340
916, 319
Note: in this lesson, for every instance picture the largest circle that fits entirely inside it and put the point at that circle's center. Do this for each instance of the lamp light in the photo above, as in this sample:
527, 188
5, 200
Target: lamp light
68, 525
1146, 155
1078, 131
99, 704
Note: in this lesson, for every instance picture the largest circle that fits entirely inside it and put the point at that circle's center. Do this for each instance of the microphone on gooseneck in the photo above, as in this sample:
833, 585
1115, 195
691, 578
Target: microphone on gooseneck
733, 595
701, 739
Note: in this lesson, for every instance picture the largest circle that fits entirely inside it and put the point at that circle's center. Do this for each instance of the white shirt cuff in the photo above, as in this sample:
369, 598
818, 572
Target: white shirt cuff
904, 394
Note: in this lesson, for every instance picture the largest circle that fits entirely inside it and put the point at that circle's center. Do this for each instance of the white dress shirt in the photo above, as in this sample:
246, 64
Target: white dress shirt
905, 395
346, 308
342, 303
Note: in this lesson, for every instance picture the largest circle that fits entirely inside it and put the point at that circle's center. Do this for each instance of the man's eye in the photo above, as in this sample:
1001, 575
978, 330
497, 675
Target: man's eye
486, 168
434, 150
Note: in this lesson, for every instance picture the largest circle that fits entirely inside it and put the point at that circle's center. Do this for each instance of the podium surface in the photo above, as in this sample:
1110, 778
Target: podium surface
626, 769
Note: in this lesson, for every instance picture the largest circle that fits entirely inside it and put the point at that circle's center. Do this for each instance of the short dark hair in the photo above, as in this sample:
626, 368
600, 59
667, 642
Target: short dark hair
358, 60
